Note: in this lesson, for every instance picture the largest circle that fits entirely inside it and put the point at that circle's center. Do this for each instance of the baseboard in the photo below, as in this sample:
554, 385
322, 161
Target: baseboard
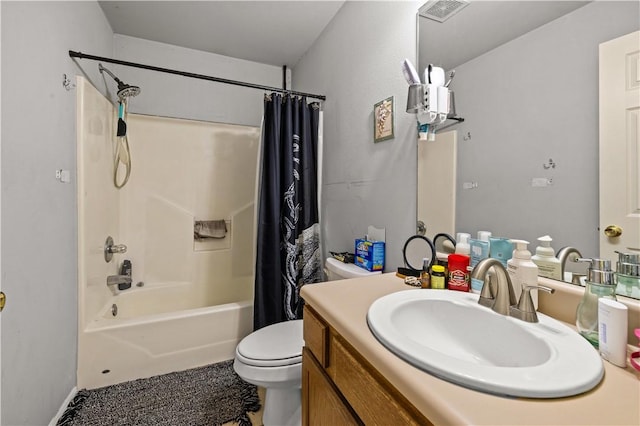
63, 407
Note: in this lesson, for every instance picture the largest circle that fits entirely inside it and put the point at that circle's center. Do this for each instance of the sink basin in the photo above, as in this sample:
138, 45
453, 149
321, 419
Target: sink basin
449, 335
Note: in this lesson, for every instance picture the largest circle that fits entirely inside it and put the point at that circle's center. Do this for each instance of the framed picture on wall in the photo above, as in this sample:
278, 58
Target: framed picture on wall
383, 120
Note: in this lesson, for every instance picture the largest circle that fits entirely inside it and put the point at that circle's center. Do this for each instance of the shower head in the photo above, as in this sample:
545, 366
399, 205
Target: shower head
124, 90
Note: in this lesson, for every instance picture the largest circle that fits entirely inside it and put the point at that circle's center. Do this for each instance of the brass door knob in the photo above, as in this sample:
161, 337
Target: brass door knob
613, 231
3, 300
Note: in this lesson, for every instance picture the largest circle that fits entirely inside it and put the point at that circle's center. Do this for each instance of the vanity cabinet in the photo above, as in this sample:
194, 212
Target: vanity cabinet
339, 387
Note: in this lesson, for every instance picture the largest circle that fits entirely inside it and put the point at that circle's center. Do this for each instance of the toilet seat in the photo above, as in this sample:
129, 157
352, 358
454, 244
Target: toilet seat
273, 346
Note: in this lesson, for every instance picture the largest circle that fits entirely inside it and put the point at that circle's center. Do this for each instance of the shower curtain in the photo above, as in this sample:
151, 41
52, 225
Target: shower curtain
288, 239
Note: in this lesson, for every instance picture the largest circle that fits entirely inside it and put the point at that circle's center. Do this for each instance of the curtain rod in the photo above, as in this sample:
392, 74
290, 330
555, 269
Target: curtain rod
80, 55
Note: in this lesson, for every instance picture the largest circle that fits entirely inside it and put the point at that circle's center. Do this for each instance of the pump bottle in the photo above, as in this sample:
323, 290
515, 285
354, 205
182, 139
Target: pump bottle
462, 244
545, 257
600, 284
522, 271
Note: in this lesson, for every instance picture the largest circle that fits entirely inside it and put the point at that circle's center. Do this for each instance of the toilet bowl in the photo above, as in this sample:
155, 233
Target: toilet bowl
272, 358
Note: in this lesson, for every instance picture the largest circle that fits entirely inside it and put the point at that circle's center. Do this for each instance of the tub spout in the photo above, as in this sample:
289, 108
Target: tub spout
113, 280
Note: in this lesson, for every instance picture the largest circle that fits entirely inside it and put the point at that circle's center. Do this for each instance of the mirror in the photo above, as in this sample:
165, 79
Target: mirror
526, 82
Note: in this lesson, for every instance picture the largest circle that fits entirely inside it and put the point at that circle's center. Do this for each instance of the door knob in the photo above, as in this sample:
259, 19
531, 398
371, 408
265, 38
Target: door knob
613, 231
3, 300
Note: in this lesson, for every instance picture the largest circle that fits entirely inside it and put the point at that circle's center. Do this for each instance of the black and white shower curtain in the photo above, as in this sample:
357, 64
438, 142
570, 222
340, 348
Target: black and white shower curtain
288, 240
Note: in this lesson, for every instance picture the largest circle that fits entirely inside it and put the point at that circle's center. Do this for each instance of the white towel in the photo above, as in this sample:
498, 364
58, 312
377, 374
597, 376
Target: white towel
209, 229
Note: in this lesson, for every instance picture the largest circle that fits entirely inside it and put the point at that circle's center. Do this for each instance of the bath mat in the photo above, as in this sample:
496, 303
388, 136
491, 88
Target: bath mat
210, 395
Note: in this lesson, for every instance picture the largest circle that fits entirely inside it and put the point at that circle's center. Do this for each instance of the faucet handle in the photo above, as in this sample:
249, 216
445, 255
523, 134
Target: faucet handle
525, 310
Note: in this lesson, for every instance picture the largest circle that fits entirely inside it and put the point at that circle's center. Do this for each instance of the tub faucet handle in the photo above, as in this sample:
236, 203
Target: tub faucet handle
110, 248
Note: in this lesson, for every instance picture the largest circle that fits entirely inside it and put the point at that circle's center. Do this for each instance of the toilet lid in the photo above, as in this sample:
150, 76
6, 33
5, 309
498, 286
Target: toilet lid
274, 345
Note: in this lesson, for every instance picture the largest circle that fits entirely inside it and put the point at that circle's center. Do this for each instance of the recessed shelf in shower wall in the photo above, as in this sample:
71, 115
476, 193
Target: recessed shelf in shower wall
209, 244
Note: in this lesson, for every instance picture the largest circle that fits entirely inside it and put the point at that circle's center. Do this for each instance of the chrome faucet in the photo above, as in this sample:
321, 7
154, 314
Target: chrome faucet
497, 291
526, 310
114, 280
564, 254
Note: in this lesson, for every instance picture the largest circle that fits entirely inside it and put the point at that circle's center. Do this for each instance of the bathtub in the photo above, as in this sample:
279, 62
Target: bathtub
158, 329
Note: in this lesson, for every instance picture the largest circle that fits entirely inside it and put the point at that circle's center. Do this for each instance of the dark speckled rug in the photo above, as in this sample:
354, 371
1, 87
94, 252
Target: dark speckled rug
210, 395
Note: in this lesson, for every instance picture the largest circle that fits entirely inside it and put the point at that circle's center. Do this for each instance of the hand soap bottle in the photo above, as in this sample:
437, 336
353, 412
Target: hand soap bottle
462, 244
546, 260
600, 284
522, 271
628, 274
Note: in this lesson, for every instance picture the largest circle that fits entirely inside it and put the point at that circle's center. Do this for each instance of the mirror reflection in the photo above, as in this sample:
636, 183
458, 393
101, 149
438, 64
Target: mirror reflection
526, 160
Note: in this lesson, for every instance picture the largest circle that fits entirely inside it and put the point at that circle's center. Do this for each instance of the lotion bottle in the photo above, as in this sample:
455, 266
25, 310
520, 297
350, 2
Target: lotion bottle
522, 271
545, 257
479, 251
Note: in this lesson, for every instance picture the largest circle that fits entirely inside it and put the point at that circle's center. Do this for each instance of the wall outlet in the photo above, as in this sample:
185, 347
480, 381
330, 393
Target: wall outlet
541, 182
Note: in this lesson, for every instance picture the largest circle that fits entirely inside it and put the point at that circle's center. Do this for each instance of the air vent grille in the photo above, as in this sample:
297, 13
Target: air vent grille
441, 10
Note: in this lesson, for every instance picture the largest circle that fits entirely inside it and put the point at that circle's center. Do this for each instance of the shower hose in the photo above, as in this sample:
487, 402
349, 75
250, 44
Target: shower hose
122, 153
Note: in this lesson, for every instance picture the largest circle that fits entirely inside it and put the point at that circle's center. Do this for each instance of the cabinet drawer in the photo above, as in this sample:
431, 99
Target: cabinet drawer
373, 399
316, 336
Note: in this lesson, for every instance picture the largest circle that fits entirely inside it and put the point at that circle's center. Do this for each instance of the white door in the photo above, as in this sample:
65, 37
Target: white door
620, 146
437, 183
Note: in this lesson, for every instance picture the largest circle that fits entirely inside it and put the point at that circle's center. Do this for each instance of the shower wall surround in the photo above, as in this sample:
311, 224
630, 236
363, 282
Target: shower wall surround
182, 171
185, 171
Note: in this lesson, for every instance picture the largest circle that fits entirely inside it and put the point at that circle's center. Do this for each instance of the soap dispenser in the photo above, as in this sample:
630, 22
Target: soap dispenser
462, 243
522, 271
628, 274
548, 264
600, 284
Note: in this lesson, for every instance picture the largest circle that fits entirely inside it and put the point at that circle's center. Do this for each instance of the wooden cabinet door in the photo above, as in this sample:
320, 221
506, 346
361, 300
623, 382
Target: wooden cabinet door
321, 405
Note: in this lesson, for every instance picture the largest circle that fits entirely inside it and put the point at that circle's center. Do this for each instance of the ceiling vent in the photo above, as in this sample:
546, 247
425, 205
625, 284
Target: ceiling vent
441, 10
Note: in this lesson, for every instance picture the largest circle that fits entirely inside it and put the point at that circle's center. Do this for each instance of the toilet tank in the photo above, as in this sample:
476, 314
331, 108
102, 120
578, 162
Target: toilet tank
337, 270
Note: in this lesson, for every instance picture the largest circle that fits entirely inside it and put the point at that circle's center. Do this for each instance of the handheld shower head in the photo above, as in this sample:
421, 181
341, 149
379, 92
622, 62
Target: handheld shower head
124, 90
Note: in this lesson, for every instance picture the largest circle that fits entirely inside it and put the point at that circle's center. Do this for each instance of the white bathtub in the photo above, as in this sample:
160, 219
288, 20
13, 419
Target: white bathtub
158, 329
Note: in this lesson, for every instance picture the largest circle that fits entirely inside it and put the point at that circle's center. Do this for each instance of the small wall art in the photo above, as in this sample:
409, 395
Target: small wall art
383, 120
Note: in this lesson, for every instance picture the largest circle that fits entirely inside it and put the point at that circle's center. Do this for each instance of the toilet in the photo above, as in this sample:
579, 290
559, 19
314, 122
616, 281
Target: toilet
271, 357
337, 270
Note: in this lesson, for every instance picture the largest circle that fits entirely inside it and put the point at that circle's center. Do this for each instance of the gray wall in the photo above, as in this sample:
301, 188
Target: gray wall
39, 246
39, 231
524, 102
170, 95
356, 63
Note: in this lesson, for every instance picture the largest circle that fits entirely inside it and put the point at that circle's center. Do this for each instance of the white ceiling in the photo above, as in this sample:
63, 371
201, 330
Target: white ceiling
482, 26
280, 32
269, 32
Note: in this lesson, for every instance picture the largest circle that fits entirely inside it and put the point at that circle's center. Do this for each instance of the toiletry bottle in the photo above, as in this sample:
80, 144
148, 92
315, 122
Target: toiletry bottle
458, 272
628, 274
545, 257
612, 331
425, 279
462, 243
479, 250
437, 277
522, 271
600, 284
500, 249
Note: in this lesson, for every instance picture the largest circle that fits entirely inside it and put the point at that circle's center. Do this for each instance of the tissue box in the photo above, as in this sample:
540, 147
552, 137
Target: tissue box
369, 255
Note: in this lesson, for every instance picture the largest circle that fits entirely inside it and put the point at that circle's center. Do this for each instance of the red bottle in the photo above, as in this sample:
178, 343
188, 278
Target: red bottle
458, 272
